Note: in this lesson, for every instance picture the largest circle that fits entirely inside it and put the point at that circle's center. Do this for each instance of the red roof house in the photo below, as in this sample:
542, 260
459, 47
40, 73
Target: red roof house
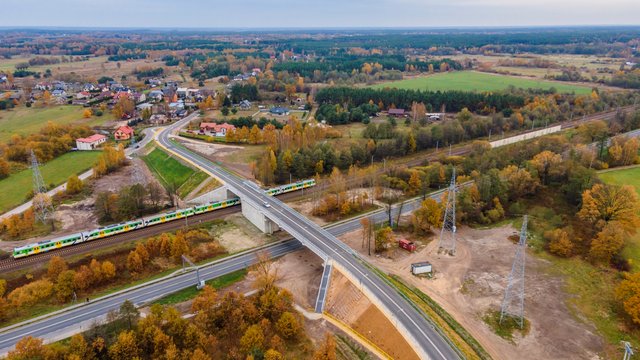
123, 133
216, 129
91, 142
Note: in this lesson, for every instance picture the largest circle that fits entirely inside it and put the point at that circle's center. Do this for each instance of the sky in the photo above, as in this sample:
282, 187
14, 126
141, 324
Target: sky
316, 14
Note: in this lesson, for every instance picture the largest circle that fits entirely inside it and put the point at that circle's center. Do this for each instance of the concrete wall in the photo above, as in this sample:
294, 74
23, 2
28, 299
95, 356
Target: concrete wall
218, 194
527, 136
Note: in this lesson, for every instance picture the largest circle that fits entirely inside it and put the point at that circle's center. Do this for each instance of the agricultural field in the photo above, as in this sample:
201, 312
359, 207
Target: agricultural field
170, 171
476, 81
15, 188
25, 121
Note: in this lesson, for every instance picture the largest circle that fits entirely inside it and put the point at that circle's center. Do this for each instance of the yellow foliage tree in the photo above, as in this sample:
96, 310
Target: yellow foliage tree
604, 203
74, 185
628, 293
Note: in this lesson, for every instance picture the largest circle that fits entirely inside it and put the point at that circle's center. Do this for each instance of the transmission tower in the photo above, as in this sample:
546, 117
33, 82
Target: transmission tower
447, 241
41, 204
513, 302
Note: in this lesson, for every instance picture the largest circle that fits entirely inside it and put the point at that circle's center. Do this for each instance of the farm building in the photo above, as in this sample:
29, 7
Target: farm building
90, 143
214, 129
123, 133
396, 112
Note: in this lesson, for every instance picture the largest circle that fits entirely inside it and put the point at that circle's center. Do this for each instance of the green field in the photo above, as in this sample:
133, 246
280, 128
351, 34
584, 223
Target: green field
24, 121
475, 81
171, 171
15, 188
629, 176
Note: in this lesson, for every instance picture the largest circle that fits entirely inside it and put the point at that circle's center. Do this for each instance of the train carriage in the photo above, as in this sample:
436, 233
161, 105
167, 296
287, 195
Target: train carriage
45, 246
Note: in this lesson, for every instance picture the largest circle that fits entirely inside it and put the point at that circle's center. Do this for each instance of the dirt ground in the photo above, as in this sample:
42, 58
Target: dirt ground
348, 304
242, 235
219, 153
300, 273
472, 283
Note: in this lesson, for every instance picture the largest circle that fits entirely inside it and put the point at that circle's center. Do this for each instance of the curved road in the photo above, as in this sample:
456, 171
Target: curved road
427, 342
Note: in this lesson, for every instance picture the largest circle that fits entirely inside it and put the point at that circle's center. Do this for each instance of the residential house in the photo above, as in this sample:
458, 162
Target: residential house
90, 87
90, 143
3, 78
42, 86
59, 93
155, 95
83, 95
144, 106
280, 111
215, 129
158, 119
182, 92
123, 133
245, 104
155, 82
139, 97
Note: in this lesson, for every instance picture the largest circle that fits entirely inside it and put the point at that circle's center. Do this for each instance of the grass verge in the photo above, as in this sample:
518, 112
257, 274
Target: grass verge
191, 292
507, 327
171, 172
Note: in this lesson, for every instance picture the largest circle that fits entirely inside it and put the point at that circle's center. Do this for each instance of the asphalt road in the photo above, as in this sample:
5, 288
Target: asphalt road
324, 244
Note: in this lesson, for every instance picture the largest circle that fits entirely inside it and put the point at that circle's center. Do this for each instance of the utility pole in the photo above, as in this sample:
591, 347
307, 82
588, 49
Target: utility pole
447, 241
199, 283
513, 302
41, 204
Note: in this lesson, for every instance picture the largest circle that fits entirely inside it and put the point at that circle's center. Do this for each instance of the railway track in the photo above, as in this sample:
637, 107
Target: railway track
12, 264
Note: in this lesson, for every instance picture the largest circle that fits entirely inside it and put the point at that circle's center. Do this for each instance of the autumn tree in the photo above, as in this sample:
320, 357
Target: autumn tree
288, 325
124, 106
134, 263
31, 293
607, 243
74, 185
273, 354
548, 164
519, 181
415, 183
5, 169
125, 347
253, 339
628, 293
266, 272
29, 348
55, 267
327, 349
605, 203
128, 313
65, 285
427, 216
559, 242
384, 237
87, 113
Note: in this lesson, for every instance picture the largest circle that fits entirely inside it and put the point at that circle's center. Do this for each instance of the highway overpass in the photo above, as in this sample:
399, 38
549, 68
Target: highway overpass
418, 331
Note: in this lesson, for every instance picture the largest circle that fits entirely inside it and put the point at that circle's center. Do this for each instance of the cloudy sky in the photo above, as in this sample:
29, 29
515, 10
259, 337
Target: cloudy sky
318, 13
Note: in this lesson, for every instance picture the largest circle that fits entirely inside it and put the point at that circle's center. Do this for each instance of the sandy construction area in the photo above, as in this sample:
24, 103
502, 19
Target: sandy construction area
473, 282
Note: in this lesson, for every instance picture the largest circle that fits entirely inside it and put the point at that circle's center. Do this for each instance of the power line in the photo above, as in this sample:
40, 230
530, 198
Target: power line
447, 241
513, 302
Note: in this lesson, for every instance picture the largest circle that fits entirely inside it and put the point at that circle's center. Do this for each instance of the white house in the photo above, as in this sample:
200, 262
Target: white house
90, 143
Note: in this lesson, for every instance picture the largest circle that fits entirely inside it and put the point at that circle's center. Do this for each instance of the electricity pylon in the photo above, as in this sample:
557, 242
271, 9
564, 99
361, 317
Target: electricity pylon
447, 241
513, 302
41, 203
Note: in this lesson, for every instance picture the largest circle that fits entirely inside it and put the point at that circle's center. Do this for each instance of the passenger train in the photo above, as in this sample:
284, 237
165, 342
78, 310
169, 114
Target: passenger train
68, 240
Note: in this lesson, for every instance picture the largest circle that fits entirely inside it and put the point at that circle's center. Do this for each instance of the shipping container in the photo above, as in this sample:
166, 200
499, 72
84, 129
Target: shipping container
420, 268
407, 245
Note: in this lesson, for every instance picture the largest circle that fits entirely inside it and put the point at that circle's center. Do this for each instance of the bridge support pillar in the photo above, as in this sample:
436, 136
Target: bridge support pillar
255, 214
